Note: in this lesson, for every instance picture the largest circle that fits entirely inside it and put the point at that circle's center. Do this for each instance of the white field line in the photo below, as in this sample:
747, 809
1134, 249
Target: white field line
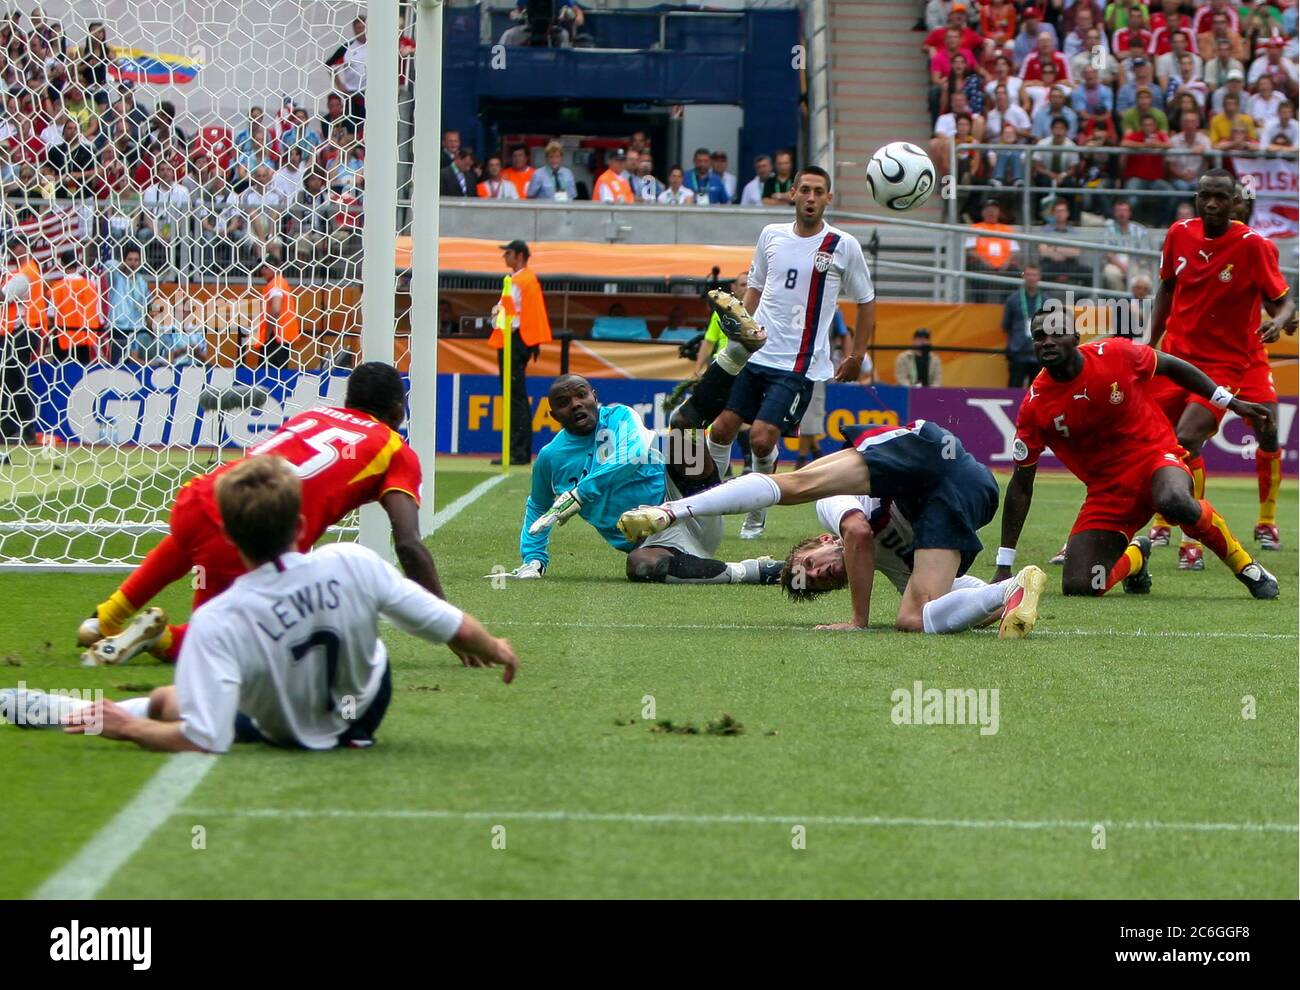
843, 821
729, 627
86, 874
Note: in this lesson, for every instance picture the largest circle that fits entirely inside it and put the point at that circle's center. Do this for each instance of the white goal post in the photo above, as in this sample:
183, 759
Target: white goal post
204, 205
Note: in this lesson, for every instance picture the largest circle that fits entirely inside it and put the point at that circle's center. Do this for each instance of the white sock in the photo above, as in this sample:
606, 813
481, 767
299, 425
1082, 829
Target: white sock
744, 571
968, 581
721, 454
962, 608
766, 465
743, 494
732, 357
136, 707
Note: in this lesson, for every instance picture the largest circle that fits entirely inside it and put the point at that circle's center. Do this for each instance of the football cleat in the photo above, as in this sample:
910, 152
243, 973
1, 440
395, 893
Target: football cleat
1020, 613
1139, 581
140, 634
1261, 583
1191, 557
735, 320
1267, 536
89, 633
1159, 536
1059, 559
754, 524
637, 524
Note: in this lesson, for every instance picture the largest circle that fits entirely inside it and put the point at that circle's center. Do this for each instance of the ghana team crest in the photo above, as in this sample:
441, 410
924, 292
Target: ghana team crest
1116, 396
1226, 274
822, 261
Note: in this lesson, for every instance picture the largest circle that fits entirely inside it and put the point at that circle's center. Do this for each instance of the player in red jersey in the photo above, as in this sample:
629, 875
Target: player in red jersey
1214, 274
1092, 406
345, 458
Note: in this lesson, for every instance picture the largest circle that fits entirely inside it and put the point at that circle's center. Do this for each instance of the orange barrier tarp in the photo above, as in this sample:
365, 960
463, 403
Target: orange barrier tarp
471, 254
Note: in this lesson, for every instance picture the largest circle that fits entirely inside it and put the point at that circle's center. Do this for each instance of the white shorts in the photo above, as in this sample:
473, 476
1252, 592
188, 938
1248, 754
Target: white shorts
814, 417
699, 536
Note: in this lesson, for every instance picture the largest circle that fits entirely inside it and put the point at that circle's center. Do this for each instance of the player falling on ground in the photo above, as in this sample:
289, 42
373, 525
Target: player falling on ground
290, 653
925, 471
1214, 274
1091, 404
604, 461
799, 272
345, 457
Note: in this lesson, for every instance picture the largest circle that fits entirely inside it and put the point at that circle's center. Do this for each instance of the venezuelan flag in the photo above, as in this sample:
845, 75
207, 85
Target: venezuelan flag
133, 65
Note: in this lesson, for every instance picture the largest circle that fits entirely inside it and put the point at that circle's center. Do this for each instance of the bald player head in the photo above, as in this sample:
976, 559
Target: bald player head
573, 404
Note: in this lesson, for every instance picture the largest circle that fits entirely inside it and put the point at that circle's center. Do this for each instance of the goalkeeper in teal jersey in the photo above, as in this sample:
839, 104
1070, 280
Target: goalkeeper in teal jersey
604, 462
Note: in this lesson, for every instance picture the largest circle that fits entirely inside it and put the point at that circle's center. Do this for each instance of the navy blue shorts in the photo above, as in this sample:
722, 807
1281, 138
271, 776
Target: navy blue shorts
774, 396
358, 735
947, 494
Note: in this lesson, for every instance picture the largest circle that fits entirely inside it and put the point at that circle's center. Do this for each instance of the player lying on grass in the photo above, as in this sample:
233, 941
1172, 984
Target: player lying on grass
1215, 275
821, 563
345, 457
290, 653
1091, 405
921, 468
604, 461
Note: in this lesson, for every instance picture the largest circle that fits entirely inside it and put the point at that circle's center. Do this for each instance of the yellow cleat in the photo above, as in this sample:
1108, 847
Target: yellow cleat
1020, 613
140, 633
735, 320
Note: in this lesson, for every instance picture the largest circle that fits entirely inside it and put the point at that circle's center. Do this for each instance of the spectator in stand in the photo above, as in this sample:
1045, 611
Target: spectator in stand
752, 194
75, 104
279, 329
1167, 24
1241, 137
1184, 170
1222, 123
676, 194
1205, 11
1129, 119
718, 162
77, 305
963, 79
1055, 107
1143, 76
1007, 168
941, 68
1258, 25
164, 132
350, 72
1216, 70
998, 26
459, 178
705, 183
633, 164
1005, 112
1133, 41
1060, 262
972, 168
777, 188
1003, 76
1275, 63
313, 222
164, 206
967, 39
937, 13
1233, 85
1283, 134
1045, 54
645, 185
72, 159
1027, 41
1078, 41
128, 302
1092, 101
1167, 63
946, 127
287, 181
1262, 107
613, 185
337, 121
1055, 160
24, 318
1221, 29
988, 252
1184, 82
1018, 309
1096, 53
96, 56
919, 366
520, 173
555, 181
260, 210
1122, 235
450, 145
181, 341
1035, 93
1146, 172
495, 185
638, 142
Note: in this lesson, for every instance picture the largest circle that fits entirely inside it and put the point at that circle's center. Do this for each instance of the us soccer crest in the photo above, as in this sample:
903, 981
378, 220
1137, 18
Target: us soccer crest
1116, 396
1226, 274
822, 261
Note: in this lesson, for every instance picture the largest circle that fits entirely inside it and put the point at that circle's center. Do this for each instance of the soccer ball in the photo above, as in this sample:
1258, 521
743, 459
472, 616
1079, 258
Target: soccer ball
901, 176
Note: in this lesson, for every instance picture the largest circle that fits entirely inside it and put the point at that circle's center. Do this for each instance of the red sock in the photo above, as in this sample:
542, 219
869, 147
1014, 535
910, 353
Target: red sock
165, 563
171, 643
1211, 530
1268, 470
1129, 562
1197, 466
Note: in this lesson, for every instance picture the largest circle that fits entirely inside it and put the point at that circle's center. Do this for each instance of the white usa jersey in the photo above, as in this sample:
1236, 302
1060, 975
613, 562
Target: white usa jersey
802, 279
892, 532
298, 650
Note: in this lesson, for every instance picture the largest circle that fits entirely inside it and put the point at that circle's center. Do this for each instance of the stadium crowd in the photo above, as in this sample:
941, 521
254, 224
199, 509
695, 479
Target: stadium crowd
1072, 77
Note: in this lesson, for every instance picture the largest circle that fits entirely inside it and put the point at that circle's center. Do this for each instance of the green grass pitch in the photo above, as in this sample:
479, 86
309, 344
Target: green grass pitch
1124, 712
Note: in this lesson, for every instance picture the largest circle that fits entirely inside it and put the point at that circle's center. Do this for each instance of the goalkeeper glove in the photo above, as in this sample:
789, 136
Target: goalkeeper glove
561, 511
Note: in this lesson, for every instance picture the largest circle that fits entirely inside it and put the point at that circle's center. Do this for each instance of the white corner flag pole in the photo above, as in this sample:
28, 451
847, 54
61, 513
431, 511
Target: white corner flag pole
427, 146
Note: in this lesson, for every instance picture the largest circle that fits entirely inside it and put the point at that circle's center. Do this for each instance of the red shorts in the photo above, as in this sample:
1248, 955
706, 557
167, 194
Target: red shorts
1253, 383
195, 527
1123, 503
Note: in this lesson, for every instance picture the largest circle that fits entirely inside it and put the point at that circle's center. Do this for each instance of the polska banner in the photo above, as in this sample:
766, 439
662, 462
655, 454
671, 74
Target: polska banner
1276, 189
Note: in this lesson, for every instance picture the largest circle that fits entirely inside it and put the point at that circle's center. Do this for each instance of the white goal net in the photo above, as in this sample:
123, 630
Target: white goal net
184, 207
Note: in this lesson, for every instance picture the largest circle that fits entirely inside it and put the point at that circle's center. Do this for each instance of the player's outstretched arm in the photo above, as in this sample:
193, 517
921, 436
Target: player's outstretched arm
476, 641
1015, 510
413, 556
859, 567
1199, 383
1160, 310
114, 722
